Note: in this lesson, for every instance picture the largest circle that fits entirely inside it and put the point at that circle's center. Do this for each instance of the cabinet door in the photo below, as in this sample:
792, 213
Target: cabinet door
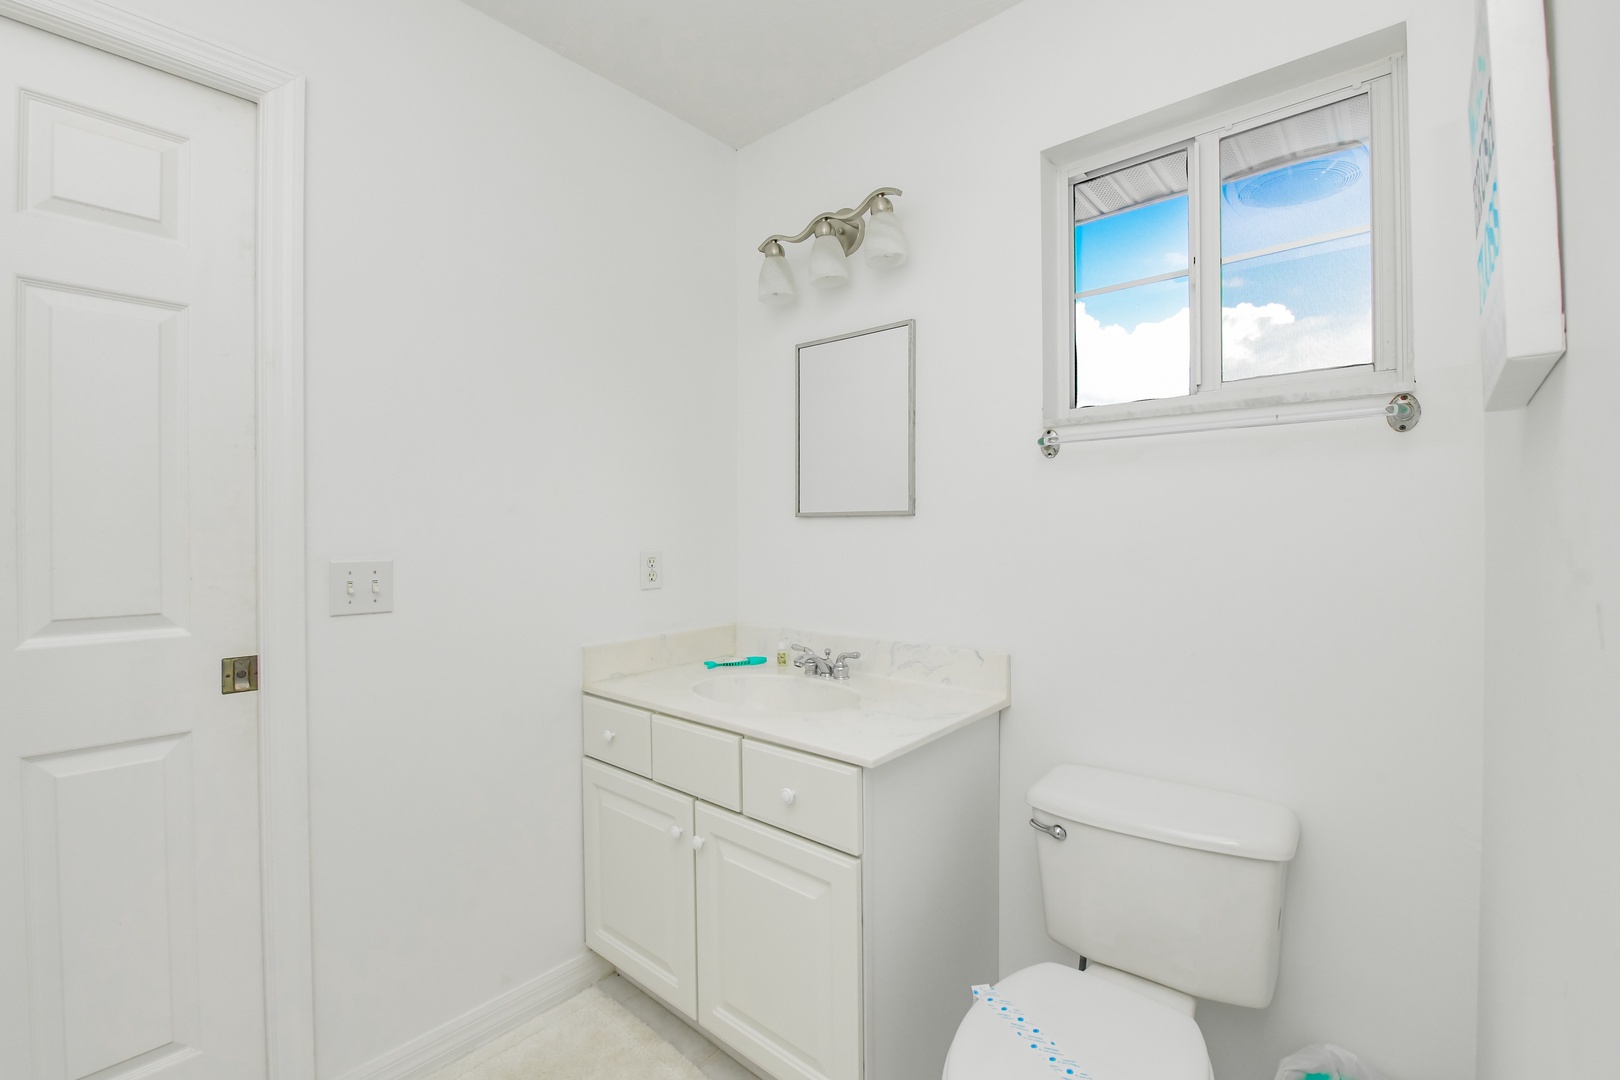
638, 882
779, 948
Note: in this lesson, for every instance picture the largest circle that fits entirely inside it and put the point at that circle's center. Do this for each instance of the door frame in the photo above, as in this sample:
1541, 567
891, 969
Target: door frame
289, 999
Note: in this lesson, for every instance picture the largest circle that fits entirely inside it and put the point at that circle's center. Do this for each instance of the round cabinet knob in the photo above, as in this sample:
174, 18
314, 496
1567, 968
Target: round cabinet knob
787, 795
675, 832
607, 736
697, 843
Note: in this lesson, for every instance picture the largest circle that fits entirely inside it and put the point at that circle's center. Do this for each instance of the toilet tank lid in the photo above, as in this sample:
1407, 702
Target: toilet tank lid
1180, 814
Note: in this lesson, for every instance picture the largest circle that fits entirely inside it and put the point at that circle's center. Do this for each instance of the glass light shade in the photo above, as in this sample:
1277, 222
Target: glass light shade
827, 263
776, 281
885, 244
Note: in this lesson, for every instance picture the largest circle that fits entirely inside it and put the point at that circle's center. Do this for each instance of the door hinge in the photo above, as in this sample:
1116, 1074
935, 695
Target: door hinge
238, 674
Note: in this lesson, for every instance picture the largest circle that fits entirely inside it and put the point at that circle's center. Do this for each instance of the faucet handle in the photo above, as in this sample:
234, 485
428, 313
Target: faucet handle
840, 669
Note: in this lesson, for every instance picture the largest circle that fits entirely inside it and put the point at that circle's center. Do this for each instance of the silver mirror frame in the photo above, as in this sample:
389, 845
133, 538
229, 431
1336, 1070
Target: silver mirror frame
911, 423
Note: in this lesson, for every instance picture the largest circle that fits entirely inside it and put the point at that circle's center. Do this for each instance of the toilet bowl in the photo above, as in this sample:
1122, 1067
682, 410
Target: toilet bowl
1171, 892
1108, 1031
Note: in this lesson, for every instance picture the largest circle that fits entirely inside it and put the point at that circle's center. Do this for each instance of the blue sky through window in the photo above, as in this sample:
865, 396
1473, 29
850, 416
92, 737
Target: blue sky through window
1305, 307
1326, 279
1144, 241
1133, 343
1154, 302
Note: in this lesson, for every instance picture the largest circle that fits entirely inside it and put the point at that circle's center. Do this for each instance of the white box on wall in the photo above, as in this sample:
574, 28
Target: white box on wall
1521, 294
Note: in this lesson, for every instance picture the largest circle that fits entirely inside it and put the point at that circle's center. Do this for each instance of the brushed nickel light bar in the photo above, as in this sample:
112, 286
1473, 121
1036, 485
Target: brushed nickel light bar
838, 234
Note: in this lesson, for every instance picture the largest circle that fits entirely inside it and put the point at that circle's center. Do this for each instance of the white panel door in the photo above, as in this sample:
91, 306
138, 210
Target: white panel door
779, 948
130, 939
638, 882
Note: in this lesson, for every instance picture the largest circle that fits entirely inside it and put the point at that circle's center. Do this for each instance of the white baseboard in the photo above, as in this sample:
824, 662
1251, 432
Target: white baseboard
432, 1051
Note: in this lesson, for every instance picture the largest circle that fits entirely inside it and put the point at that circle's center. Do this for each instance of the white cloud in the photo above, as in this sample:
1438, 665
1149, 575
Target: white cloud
1115, 364
1152, 359
1269, 340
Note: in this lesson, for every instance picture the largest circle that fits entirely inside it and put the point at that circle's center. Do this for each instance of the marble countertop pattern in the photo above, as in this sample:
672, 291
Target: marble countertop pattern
948, 665
615, 659
895, 714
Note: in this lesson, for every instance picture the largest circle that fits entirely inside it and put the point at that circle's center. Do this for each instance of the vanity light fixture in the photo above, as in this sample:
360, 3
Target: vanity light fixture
838, 234
827, 269
775, 278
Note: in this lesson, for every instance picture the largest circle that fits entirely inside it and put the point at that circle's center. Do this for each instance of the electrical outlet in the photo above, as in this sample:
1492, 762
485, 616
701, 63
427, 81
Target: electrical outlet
652, 570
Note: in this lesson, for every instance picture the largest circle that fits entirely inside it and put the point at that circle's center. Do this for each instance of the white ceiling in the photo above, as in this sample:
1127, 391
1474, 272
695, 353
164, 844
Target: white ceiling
739, 69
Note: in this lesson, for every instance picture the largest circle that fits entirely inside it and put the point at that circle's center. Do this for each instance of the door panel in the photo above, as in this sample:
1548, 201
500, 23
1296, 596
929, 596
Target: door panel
103, 535
638, 882
130, 934
110, 919
779, 948
99, 167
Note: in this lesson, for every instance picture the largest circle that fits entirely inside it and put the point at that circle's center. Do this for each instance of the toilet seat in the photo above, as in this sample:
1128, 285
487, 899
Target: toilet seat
1111, 1031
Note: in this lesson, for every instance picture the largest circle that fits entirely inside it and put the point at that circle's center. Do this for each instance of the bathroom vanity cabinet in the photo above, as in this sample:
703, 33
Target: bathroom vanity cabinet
822, 919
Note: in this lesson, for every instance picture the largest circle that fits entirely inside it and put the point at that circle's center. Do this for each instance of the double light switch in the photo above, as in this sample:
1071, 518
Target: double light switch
361, 588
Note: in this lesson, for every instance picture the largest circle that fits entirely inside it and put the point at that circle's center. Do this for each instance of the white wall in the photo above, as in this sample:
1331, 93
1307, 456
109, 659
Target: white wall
1293, 613
1550, 939
511, 391
518, 375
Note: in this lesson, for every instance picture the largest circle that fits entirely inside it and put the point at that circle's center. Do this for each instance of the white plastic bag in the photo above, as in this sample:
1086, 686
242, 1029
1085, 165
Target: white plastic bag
1334, 1062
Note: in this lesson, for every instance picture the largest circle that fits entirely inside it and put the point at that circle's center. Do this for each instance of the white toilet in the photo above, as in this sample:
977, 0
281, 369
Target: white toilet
1171, 893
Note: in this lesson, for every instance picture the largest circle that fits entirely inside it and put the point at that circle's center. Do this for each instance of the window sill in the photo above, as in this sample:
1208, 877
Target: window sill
1175, 416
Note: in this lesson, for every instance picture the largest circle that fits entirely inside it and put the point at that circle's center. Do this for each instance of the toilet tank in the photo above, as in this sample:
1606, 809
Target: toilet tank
1178, 884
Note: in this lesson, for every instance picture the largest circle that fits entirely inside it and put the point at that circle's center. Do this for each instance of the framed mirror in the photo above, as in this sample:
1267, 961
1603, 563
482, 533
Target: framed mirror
857, 423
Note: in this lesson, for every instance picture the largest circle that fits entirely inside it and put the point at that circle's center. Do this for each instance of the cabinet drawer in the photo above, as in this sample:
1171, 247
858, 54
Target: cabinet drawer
698, 760
812, 796
617, 734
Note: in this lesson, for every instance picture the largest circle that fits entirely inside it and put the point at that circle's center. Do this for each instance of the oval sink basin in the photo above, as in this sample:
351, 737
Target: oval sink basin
776, 693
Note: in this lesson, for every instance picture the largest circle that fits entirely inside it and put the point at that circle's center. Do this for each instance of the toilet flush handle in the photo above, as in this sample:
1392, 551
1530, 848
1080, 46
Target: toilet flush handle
1056, 832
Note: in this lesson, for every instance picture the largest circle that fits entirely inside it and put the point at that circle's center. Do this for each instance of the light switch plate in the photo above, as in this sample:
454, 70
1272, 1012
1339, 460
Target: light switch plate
361, 588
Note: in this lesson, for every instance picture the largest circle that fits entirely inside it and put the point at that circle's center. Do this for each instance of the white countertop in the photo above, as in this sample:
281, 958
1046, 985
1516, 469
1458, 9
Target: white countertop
893, 716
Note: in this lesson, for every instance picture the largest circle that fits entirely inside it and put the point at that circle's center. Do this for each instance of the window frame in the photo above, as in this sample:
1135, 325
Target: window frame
1211, 401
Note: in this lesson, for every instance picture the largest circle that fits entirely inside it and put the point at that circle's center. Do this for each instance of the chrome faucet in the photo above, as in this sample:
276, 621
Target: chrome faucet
825, 666
811, 663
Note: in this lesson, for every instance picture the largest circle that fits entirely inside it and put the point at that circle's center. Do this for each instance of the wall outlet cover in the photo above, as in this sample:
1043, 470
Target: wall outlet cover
652, 569
361, 588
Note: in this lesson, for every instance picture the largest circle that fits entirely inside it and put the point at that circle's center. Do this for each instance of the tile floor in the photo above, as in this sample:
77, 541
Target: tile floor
713, 1062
